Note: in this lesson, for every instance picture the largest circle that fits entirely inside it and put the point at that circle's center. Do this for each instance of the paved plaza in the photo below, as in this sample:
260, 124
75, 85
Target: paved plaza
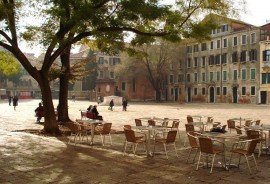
29, 158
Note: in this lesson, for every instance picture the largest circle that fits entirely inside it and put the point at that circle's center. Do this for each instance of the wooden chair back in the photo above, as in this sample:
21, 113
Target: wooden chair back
130, 135
231, 123
253, 134
190, 128
206, 145
128, 127
258, 122
138, 122
106, 129
175, 123
171, 136
248, 123
252, 147
151, 122
238, 130
189, 119
192, 139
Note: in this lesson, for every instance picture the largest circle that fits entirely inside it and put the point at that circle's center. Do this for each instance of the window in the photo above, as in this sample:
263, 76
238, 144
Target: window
234, 57
224, 28
203, 77
211, 60
224, 58
235, 75
180, 78
114, 61
171, 91
218, 75
225, 43
266, 55
203, 91
252, 91
123, 86
244, 39
244, 74
188, 77
204, 46
189, 63
189, 49
212, 45
196, 48
214, 31
203, 61
243, 56
195, 62
211, 76
101, 74
99, 89
243, 91
253, 55
224, 91
218, 30
101, 60
224, 75
252, 74
195, 77
217, 59
218, 90
171, 79
112, 75
252, 38
195, 91
265, 78
235, 41
218, 44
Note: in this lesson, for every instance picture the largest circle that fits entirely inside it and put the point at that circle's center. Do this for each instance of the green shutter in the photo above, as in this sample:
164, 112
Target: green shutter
263, 78
235, 75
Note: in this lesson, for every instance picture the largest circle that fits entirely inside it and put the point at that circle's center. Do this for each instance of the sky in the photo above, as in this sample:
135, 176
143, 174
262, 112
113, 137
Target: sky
257, 13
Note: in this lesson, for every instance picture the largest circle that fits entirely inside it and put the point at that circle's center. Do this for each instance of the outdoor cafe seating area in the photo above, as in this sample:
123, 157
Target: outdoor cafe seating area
211, 144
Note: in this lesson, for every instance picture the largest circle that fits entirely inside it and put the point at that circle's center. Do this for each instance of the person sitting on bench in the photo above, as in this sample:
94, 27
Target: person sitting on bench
94, 110
39, 112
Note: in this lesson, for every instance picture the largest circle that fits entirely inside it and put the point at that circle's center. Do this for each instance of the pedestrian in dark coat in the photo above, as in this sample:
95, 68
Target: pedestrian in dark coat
15, 102
124, 103
111, 105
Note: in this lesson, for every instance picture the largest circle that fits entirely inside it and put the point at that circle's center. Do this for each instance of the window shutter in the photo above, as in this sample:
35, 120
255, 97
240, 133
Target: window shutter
264, 55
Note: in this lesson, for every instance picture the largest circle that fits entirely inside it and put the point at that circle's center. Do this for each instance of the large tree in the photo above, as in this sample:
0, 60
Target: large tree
108, 21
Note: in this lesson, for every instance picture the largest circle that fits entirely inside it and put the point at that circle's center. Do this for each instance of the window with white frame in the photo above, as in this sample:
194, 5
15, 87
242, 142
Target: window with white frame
196, 48
244, 39
244, 91
243, 56
204, 46
244, 74
235, 75
188, 77
217, 59
253, 55
253, 38
224, 91
224, 76
252, 91
218, 44
212, 45
195, 62
235, 41
195, 77
218, 90
266, 55
224, 28
203, 61
211, 76
252, 74
224, 58
189, 63
195, 91
203, 77
225, 43
203, 91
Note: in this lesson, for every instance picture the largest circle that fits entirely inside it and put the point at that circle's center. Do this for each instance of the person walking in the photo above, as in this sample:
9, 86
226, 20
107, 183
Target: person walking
39, 112
124, 103
15, 102
111, 105
9, 99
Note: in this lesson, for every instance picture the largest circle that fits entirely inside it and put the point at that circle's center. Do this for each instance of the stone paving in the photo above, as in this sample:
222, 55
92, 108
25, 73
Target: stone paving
28, 158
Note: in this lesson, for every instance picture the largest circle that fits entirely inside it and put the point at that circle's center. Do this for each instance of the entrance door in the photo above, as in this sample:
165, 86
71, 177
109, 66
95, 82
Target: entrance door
263, 97
175, 94
235, 95
212, 95
189, 94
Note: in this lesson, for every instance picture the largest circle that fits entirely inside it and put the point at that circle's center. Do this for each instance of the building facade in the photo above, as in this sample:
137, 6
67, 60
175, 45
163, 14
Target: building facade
230, 67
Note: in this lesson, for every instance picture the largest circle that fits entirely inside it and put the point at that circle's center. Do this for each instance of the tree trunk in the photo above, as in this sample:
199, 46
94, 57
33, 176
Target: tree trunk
50, 124
63, 91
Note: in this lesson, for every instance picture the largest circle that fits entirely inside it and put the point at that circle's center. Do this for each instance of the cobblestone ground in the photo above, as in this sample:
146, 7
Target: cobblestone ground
27, 158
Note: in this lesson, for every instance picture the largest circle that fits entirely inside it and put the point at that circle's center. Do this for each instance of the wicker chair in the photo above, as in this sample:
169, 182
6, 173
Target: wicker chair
138, 122
249, 152
207, 149
193, 142
240, 133
169, 140
257, 122
231, 125
131, 138
151, 122
105, 130
76, 131
175, 126
259, 136
189, 128
189, 119
248, 123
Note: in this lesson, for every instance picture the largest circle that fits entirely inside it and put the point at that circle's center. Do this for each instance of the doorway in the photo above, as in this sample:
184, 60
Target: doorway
235, 95
263, 97
212, 95
175, 94
189, 94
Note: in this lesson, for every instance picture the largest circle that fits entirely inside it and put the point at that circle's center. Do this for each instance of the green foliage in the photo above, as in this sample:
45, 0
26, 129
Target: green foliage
8, 64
